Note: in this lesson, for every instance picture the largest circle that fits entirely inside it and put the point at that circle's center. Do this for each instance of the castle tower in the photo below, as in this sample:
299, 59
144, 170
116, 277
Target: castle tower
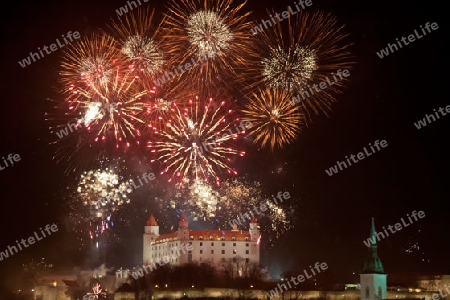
183, 238
255, 236
373, 278
150, 235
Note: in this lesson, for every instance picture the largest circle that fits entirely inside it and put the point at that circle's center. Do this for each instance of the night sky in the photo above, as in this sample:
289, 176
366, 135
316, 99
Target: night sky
333, 213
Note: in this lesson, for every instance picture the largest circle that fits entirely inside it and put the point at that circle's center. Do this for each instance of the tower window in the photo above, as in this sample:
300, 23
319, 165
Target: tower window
246, 238
201, 244
233, 238
246, 244
223, 251
246, 252
212, 244
222, 238
201, 251
367, 292
234, 244
234, 251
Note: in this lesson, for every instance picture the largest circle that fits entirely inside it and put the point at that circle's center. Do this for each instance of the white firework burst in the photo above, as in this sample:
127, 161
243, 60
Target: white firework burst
208, 34
289, 69
144, 54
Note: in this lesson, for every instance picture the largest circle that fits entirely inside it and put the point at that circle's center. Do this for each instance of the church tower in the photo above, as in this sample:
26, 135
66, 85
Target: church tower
373, 278
150, 235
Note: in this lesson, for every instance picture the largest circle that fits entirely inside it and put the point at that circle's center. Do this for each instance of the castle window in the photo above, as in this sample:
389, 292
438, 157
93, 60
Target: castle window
247, 260
367, 292
200, 237
246, 238
212, 244
212, 251
201, 244
246, 244
223, 244
201, 251
223, 251
234, 244
233, 238
222, 238
234, 251
246, 252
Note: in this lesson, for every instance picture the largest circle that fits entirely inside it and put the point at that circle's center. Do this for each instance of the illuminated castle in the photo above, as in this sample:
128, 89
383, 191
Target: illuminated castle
215, 246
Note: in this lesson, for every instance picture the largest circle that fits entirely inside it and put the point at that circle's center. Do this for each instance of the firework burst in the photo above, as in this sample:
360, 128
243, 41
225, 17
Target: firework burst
139, 44
275, 122
300, 52
214, 31
196, 143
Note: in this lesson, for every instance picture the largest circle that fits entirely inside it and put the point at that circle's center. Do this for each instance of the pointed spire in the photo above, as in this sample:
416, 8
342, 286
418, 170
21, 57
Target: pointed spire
373, 263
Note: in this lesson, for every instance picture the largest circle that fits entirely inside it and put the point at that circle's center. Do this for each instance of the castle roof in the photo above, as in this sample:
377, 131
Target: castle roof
151, 221
207, 235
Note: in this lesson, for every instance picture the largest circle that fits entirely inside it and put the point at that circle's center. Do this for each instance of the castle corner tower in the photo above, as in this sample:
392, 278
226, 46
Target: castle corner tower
150, 236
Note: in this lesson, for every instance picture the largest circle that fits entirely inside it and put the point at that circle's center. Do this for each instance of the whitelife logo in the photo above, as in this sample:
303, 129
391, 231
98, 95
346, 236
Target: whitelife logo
274, 292
31, 241
27, 61
379, 235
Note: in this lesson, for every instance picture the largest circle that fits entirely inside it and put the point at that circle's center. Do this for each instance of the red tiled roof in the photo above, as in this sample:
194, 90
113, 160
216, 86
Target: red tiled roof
151, 221
206, 234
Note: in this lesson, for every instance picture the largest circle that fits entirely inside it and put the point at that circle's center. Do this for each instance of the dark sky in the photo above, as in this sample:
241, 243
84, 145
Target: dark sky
382, 101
